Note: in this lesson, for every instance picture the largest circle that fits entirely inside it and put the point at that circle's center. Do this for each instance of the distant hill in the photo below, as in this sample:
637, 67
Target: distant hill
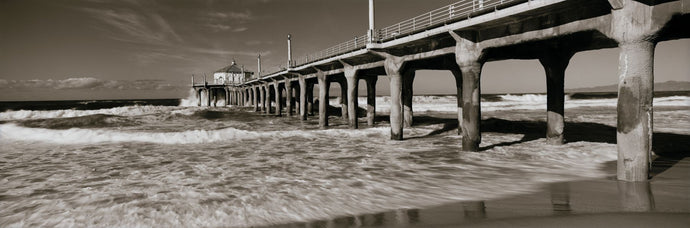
661, 86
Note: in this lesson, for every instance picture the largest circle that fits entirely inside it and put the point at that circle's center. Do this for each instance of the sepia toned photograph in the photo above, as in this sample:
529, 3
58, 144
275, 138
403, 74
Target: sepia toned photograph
345, 113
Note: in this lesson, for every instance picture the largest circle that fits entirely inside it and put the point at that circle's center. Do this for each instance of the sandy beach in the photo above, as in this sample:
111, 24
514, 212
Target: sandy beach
664, 201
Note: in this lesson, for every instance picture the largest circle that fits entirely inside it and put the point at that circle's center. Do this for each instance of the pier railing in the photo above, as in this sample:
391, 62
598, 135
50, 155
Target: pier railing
458, 11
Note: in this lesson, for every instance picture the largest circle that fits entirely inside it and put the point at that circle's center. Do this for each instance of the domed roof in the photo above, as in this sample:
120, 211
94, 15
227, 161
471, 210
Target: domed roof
233, 68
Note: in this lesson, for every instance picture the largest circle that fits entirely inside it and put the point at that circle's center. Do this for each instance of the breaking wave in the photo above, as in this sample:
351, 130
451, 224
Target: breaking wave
135, 110
512, 102
11, 131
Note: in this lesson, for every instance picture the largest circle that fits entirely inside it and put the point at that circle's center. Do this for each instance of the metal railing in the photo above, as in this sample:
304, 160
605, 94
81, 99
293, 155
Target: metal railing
458, 11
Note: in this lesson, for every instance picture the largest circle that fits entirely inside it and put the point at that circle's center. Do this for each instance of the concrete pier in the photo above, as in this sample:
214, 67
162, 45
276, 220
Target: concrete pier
550, 31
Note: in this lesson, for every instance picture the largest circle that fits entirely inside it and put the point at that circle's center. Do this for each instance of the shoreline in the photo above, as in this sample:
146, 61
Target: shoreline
663, 201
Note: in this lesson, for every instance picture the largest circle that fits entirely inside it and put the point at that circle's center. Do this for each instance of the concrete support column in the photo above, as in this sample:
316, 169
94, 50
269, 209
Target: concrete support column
635, 112
238, 97
635, 26
408, 79
198, 95
393, 67
288, 97
269, 108
302, 98
343, 98
244, 97
255, 100
231, 97
470, 60
277, 98
228, 95
310, 98
371, 99
352, 102
554, 64
215, 97
471, 106
208, 96
264, 98
324, 86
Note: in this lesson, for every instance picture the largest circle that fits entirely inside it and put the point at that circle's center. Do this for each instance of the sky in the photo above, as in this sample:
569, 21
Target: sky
134, 49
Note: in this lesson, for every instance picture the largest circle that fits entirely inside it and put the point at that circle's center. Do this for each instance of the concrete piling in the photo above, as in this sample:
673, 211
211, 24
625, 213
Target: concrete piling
471, 107
208, 96
264, 98
555, 64
324, 86
343, 99
277, 98
408, 80
393, 66
635, 94
302, 98
310, 98
288, 97
371, 99
352, 93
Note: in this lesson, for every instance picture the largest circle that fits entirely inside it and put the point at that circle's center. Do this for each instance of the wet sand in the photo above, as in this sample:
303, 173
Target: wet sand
664, 201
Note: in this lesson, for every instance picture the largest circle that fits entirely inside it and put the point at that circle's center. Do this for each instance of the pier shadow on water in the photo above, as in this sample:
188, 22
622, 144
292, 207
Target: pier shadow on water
669, 147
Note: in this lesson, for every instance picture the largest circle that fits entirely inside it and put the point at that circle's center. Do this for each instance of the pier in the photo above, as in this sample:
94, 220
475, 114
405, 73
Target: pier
461, 38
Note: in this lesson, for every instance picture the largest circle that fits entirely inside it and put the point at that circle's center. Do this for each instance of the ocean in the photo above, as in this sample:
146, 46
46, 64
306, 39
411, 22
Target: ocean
169, 163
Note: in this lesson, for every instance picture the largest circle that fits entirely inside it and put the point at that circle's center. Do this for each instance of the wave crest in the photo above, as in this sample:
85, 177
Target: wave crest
14, 132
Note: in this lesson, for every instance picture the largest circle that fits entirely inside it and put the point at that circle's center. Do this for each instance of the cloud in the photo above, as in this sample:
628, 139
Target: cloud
240, 29
218, 27
88, 83
242, 16
257, 42
222, 27
132, 26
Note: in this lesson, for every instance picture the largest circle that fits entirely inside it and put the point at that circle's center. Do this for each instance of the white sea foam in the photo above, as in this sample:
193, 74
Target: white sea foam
14, 132
192, 100
66, 113
511, 102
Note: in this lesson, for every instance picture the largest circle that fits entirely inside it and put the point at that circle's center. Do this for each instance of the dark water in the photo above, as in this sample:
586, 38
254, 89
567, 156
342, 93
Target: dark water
82, 104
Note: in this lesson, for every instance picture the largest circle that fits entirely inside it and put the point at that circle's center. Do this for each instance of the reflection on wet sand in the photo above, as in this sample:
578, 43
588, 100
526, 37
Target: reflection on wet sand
560, 198
569, 203
636, 196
